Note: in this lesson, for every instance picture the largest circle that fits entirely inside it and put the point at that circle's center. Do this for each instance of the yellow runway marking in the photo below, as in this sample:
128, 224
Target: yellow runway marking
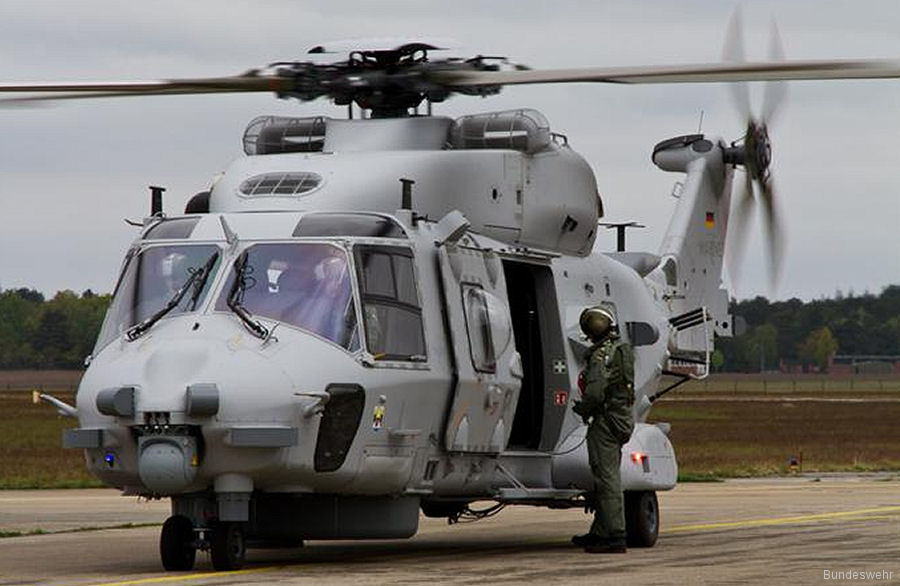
838, 515
187, 577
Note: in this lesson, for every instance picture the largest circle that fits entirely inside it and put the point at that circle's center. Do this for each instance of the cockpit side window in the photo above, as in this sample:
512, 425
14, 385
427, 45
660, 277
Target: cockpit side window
151, 278
306, 285
390, 300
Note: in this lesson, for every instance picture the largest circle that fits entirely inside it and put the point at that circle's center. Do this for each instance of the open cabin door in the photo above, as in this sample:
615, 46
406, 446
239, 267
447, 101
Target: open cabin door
488, 368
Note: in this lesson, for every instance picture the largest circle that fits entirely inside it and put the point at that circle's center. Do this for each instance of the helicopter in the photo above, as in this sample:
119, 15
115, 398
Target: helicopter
370, 317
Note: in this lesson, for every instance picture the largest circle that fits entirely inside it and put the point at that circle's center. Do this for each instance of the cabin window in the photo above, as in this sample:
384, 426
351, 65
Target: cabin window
391, 312
280, 184
478, 328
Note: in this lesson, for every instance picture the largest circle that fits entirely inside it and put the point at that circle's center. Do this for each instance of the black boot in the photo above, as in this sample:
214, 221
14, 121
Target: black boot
588, 539
607, 547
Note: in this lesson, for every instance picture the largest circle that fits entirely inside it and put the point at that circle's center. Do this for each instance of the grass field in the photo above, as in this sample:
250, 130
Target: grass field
53, 381
31, 455
742, 437
723, 427
811, 385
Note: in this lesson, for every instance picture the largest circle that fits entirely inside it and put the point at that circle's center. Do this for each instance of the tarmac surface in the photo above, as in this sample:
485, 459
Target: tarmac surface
761, 531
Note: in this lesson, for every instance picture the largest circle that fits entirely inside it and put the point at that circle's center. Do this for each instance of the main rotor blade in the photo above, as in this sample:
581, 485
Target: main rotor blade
733, 52
43, 99
246, 82
738, 230
776, 91
696, 73
773, 231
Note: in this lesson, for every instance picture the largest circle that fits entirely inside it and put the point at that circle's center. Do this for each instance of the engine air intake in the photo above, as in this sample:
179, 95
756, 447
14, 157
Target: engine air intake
523, 130
266, 135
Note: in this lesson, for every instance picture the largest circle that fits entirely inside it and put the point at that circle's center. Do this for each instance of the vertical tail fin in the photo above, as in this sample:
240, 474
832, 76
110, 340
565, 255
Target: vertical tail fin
689, 275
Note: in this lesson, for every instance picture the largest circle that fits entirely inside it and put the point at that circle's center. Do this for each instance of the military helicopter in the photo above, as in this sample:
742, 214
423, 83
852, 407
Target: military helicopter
367, 317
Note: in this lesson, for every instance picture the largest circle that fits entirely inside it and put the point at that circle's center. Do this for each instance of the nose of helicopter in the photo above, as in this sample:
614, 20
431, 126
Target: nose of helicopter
197, 398
178, 361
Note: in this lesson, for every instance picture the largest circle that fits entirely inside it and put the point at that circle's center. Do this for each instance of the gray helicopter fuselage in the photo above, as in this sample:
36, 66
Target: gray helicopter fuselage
444, 373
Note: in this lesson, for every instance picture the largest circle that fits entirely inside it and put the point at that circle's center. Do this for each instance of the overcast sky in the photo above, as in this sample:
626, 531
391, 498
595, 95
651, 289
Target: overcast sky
69, 174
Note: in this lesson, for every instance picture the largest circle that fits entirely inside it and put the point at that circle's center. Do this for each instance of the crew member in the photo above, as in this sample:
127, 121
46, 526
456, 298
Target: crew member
606, 403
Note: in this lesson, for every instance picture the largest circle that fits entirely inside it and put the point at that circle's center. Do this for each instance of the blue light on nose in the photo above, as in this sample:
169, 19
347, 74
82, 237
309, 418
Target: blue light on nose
110, 458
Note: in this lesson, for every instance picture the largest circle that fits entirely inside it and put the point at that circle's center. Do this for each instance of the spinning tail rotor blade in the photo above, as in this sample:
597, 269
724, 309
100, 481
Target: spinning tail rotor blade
733, 52
755, 156
739, 230
776, 91
774, 234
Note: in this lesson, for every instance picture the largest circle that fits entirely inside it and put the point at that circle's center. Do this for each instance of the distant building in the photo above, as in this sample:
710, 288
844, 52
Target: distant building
869, 364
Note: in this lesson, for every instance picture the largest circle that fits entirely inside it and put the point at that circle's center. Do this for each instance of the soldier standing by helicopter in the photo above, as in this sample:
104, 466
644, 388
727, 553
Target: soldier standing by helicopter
607, 397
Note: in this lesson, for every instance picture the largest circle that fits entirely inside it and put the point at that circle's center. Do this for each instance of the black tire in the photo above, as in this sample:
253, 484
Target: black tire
176, 544
641, 518
227, 547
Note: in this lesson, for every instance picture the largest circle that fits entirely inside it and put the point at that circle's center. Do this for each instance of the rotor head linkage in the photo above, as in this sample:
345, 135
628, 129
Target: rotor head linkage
388, 82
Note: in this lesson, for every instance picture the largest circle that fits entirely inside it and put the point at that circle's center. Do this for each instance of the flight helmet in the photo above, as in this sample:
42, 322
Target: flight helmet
596, 322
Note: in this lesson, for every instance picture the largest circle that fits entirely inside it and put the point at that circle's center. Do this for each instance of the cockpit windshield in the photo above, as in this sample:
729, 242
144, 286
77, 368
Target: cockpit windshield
153, 279
306, 285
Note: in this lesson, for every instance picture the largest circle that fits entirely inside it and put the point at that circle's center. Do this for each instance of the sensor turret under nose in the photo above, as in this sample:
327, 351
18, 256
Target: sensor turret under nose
167, 465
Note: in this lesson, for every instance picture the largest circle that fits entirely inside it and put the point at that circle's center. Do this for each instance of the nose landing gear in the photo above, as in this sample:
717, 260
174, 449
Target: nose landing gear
179, 542
227, 547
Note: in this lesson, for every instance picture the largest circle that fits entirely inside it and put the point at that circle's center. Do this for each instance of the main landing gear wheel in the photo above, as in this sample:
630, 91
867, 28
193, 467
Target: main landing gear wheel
176, 544
227, 547
641, 518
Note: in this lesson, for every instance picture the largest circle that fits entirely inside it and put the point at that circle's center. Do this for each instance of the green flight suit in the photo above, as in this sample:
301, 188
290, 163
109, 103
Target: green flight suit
607, 403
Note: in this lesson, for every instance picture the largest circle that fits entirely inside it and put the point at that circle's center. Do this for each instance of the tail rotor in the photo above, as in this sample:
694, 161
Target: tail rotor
754, 153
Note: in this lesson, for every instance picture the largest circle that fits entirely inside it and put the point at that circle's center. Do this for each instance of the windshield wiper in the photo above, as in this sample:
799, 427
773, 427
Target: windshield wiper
200, 282
198, 276
234, 299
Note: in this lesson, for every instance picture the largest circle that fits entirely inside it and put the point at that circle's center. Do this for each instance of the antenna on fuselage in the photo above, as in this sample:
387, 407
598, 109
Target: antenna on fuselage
406, 193
620, 231
156, 200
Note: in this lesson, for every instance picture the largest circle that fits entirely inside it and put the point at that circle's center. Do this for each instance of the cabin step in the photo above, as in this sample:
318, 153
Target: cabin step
535, 495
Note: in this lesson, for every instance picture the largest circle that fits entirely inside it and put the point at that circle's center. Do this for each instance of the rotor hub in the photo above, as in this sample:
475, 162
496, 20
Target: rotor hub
388, 82
755, 154
757, 151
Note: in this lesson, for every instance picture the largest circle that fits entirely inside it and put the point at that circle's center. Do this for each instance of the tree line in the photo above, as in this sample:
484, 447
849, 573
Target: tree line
809, 334
60, 332
57, 333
